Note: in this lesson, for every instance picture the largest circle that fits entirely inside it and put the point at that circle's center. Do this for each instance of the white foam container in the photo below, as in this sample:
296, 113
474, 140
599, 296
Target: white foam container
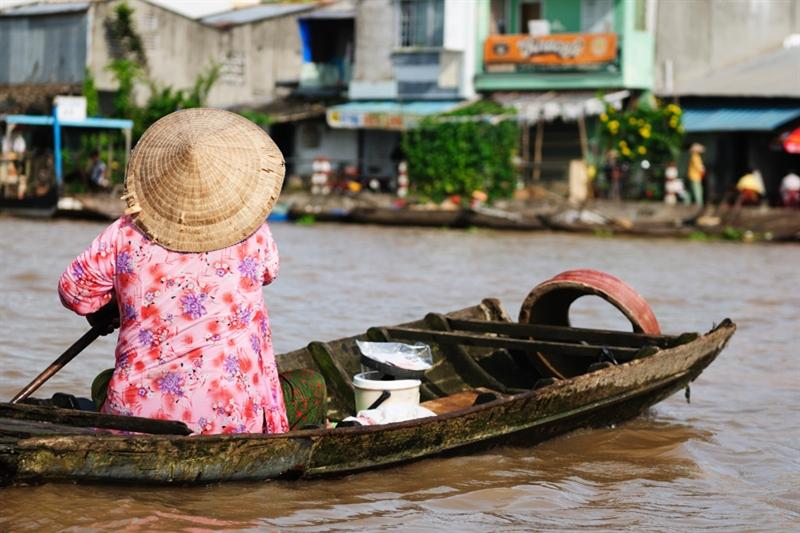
368, 388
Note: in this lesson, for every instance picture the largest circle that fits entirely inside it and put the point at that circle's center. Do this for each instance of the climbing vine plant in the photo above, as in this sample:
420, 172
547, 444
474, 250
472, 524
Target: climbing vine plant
467, 150
129, 67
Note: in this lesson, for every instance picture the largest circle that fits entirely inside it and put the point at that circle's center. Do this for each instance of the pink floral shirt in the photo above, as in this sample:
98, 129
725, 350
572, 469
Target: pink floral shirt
194, 343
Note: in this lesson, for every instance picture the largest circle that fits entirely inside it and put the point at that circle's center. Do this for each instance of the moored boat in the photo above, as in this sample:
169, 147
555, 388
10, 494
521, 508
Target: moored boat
492, 381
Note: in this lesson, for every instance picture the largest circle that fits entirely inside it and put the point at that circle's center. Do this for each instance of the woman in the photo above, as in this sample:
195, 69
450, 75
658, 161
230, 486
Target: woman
186, 265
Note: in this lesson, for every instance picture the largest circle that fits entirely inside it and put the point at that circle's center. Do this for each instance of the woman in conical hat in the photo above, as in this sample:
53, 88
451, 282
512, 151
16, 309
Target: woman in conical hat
186, 265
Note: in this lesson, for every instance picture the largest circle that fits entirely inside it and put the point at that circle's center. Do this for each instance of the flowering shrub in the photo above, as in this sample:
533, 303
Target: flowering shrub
463, 151
653, 133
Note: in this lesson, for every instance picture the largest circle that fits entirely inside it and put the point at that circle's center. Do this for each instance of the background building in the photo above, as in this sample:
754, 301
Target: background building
734, 66
550, 59
47, 48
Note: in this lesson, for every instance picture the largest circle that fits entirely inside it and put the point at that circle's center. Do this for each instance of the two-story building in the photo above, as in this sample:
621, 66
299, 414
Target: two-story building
550, 59
412, 58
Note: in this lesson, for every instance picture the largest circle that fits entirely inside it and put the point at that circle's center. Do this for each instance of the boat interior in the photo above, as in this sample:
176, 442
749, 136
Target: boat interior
480, 355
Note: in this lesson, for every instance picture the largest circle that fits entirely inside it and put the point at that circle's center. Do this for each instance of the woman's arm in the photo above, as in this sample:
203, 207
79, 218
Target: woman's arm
271, 258
88, 283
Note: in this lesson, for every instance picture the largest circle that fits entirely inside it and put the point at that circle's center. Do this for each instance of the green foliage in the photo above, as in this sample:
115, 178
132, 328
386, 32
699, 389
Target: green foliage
603, 232
262, 119
447, 156
126, 44
729, 233
126, 73
699, 236
89, 92
646, 132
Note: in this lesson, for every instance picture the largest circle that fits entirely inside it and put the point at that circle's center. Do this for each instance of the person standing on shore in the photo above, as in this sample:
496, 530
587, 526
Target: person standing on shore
97, 171
790, 190
184, 268
696, 172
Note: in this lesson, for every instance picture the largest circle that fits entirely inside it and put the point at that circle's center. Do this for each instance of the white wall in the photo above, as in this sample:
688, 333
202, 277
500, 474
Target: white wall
460, 27
700, 36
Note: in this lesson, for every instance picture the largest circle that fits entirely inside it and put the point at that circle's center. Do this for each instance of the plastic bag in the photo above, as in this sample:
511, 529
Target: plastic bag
406, 356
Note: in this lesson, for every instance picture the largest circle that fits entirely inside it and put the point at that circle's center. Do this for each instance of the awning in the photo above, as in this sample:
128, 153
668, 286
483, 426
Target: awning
551, 105
390, 115
737, 118
47, 120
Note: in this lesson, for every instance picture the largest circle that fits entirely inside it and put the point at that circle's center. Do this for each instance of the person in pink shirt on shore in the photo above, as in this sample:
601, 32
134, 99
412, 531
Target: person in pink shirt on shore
185, 268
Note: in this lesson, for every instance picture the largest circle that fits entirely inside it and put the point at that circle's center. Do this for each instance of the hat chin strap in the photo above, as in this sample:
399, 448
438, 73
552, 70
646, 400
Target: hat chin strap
130, 199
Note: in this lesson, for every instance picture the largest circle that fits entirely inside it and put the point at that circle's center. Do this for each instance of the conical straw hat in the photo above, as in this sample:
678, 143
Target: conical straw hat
202, 179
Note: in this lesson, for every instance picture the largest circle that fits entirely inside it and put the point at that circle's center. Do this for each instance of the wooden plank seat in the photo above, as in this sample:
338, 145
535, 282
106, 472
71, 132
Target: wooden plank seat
460, 400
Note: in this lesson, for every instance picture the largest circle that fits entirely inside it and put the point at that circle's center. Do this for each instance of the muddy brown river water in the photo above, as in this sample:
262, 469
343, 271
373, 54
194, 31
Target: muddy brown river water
730, 460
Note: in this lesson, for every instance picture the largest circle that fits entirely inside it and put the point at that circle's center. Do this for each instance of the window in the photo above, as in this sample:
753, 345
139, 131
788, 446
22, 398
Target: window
597, 16
421, 23
529, 11
498, 24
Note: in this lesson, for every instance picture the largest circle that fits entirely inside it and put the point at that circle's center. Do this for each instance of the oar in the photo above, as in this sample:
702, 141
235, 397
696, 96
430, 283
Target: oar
79, 345
103, 322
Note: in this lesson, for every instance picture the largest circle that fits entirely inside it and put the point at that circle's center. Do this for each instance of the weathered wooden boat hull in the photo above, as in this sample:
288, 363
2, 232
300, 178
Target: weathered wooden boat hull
500, 220
385, 216
598, 398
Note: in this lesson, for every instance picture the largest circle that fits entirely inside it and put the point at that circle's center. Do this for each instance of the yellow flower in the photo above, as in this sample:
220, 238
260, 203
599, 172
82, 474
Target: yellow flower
603, 117
674, 109
625, 151
673, 122
623, 144
642, 150
644, 131
632, 121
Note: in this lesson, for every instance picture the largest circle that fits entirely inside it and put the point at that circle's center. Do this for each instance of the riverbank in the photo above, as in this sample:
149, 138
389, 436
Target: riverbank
545, 212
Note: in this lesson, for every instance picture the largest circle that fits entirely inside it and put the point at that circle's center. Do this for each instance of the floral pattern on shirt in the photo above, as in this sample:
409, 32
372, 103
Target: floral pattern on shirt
194, 343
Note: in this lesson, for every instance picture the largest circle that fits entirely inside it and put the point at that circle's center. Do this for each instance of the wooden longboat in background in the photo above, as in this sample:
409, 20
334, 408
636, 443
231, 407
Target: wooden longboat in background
388, 216
477, 349
43, 206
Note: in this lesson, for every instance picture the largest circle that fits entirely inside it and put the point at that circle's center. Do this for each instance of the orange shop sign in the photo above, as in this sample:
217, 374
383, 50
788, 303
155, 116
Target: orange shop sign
558, 49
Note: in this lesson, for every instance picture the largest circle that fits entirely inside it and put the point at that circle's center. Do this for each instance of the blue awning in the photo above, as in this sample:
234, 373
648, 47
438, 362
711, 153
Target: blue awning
737, 118
47, 120
386, 115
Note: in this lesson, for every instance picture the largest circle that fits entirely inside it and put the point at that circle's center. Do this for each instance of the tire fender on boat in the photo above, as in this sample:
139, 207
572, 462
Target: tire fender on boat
549, 302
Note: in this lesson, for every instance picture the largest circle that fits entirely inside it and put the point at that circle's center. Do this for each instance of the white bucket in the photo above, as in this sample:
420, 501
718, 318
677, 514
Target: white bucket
369, 387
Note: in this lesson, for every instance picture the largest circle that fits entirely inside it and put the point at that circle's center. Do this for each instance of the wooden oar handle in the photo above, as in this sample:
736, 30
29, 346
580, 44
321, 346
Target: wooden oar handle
59, 363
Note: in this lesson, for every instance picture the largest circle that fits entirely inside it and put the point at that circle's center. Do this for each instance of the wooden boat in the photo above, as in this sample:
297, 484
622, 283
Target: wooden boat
43, 206
388, 216
556, 222
479, 353
485, 217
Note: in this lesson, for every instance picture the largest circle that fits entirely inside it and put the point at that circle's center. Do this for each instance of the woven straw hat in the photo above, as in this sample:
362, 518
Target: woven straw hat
202, 179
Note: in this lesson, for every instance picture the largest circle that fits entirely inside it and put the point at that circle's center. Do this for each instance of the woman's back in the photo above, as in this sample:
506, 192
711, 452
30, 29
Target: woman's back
194, 342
